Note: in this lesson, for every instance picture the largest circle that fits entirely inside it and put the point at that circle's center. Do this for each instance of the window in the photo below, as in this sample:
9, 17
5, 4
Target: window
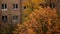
4, 6
52, 5
15, 18
4, 18
24, 7
15, 6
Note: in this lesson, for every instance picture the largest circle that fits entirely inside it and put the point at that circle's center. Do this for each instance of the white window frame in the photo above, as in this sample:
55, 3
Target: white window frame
4, 7
15, 6
15, 19
4, 18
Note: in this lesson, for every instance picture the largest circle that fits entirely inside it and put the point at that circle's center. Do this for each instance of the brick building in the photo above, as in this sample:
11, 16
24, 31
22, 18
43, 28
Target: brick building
10, 11
58, 8
10, 14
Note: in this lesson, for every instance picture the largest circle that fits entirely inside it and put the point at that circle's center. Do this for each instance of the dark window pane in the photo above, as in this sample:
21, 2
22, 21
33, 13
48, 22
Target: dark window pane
2, 6
52, 5
5, 6
24, 7
4, 18
15, 6
15, 17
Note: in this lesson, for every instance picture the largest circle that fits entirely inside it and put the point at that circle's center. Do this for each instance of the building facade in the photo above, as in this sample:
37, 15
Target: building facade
10, 15
9, 10
58, 8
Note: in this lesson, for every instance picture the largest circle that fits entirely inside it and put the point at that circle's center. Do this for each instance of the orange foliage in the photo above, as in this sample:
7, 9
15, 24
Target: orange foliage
42, 21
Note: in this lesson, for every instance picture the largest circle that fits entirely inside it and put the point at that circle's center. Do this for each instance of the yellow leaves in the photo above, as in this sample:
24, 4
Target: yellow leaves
36, 20
31, 16
26, 11
37, 1
31, 31
34, 1
33, 26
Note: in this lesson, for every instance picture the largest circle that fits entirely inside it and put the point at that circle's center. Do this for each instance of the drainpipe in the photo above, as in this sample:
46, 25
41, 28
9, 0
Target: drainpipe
58, 8
21, 11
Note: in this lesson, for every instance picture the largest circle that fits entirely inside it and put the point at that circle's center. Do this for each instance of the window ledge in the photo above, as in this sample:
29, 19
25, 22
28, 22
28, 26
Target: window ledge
15, 9
15, 20
4, 9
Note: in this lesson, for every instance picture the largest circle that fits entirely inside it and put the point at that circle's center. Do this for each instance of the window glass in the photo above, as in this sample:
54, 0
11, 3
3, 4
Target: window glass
4, 6
15, 6
4, 18
15, 17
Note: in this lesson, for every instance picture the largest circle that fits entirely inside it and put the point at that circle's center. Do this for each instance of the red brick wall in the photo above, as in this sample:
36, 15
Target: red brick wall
10, 11
58, 7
